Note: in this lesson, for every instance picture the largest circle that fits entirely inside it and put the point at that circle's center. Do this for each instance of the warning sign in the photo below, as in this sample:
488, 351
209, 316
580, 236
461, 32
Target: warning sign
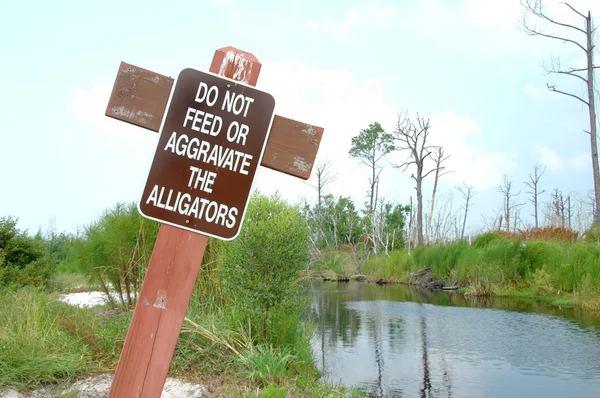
210, 145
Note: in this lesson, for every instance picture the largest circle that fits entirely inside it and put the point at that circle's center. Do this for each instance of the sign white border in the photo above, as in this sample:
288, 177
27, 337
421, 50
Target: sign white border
160, 132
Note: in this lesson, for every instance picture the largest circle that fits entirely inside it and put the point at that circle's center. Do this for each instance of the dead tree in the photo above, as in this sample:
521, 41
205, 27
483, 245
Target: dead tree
411, 223
507, 191
586, 43
412, 136
534, 180
557, 207
467, 193
324, 175
438, 158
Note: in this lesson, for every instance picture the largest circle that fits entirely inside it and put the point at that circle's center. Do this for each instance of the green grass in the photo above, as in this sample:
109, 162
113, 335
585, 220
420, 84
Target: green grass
494, 264
266, 364
33, 347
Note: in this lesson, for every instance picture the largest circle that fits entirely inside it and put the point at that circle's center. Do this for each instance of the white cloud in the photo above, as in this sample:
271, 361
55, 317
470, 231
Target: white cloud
372, 15
469, 163
335, 100
549, 158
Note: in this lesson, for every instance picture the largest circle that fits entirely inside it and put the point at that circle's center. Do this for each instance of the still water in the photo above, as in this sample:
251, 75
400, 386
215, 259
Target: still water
397, 341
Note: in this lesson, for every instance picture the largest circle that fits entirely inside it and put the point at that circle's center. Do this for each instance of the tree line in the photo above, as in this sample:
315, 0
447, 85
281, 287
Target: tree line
383, 225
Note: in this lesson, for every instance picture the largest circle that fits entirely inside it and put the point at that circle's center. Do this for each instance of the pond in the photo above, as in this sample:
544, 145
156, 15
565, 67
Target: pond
398, 341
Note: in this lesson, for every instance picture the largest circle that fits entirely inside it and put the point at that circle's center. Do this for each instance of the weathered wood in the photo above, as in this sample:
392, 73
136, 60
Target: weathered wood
159, 314
140, 97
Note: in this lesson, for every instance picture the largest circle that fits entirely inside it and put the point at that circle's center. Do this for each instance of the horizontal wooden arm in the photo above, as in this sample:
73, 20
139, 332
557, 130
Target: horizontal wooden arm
140, 97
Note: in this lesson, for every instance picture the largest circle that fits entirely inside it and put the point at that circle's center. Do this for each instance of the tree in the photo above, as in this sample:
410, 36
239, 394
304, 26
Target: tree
370, 146
438, 159
260, 267
585, 35
534, 180
412, 136
324, 175
507, 191
467, 193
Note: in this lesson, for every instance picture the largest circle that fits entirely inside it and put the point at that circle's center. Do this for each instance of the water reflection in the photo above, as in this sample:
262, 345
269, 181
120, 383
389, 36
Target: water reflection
391, 341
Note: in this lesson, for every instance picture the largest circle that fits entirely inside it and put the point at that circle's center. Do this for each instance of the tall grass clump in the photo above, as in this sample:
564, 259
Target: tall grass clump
393, 268
115, 252
33, 348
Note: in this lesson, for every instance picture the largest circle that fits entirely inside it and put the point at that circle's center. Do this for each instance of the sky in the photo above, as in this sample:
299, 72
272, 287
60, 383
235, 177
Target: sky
338, 64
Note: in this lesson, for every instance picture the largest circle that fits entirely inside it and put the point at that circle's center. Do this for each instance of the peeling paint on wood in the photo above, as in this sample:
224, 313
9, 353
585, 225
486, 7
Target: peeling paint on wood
301, 165
161, 299
131, 114
309, 130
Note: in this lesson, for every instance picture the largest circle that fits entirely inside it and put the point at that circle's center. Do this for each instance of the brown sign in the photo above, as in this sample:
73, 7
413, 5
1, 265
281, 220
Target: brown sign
211, 143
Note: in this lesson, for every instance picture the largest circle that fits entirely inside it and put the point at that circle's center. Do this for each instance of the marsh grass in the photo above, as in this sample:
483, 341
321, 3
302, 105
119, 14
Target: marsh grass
494, 263
33, 347
266, 364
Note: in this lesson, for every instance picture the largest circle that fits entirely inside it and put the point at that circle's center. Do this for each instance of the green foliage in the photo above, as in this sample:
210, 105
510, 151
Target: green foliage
371, 144
542, 284
273, 392
593, 235
393, 227
335, 223
493, 264
24, 260
260, 267
486, 239
116, 249
266, 364
34, 349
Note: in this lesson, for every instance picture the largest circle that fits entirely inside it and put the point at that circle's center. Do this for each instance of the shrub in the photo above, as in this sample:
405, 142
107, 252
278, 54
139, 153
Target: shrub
542, 284
24, 260
260, 267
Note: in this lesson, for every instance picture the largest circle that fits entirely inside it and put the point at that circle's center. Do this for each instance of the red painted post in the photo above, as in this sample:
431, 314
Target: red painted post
169, 282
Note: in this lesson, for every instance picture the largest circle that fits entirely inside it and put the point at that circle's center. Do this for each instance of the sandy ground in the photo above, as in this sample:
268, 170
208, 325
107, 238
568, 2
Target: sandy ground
98, 386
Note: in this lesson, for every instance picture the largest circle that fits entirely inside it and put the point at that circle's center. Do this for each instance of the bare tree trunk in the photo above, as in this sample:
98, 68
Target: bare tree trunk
533, 184
419, 209
535, 8
592, 111
438, 158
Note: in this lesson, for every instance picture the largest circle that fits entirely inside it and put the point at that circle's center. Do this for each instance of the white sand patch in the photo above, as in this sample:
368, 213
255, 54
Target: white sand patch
87, 299
99, 386
10, 394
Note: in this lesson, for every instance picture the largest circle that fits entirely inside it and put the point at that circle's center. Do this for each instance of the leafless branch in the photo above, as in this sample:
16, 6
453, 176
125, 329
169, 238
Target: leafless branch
553, 88
574, 10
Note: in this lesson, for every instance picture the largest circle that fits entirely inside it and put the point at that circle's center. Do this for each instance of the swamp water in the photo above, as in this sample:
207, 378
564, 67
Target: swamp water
398, 341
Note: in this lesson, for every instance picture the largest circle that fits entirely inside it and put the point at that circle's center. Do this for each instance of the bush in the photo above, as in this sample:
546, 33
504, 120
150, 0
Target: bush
116, 250
24, 260
260, 267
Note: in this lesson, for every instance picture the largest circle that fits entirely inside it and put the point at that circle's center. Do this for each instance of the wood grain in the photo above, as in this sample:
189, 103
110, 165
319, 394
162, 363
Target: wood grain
140, 97
159, 314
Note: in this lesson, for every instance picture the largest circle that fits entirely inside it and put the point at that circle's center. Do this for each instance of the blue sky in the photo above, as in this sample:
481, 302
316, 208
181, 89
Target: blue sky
337, 64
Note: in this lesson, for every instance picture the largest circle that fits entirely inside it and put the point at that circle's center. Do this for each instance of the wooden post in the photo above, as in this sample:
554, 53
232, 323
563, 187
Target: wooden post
169, 282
